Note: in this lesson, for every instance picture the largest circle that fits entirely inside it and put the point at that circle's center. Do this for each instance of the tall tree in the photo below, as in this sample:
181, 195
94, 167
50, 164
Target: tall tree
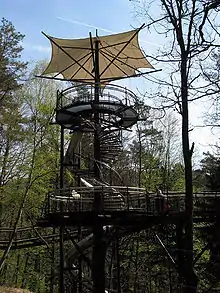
171, 155
192, 31
11, 66
31, 165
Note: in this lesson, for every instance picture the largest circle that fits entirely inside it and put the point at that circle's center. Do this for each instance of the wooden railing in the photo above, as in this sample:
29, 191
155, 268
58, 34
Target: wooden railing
31, 236
119, 198
115, 198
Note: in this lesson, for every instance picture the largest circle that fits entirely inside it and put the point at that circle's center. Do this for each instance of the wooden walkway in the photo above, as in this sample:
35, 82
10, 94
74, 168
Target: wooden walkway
123, 206
120, 198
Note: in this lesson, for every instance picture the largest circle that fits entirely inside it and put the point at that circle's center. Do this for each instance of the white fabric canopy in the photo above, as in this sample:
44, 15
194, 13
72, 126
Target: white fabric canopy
119, 56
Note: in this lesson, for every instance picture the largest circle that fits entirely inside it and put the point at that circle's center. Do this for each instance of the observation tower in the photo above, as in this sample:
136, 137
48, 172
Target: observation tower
95, 112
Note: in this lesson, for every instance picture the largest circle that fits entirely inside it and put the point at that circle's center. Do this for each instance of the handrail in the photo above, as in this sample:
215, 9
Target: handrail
134, 199
111, 93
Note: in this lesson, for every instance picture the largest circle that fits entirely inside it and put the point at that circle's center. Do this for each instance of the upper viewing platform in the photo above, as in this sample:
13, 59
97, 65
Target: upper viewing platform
116, 105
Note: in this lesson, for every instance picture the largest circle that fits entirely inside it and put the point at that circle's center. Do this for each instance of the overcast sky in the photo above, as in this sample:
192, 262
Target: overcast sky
74, 19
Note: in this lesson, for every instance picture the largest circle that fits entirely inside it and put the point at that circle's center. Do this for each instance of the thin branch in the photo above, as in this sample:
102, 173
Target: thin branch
207, 9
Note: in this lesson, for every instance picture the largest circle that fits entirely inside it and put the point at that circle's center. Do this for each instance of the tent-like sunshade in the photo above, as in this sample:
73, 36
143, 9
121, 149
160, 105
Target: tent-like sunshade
119, 56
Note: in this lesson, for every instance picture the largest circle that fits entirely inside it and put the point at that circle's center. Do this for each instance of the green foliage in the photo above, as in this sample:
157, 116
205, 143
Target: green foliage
176, 178
29, 166
11, 69
11, 66
211, 170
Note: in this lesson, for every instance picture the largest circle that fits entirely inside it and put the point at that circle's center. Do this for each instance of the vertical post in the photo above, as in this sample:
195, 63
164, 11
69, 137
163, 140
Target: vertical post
98, 253
118, 263
61, 284
97, 198
80, 264
170, 280
180, 251
79, 227
52, 265
136, 285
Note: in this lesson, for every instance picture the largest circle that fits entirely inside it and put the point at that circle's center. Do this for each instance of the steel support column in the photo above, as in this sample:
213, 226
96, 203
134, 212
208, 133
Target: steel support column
99, 249
61, 284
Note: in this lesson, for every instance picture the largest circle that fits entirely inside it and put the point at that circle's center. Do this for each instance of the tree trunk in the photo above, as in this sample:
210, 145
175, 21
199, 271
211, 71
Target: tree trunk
4, 163
191, 279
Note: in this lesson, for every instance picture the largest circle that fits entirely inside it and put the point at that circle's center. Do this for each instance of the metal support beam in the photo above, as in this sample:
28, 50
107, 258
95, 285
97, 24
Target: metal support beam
165, 249
118, 262
61, 280
99, 247
180, 252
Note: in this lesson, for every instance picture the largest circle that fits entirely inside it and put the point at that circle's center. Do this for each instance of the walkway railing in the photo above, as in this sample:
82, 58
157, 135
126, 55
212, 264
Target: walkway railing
119, 198
115, 198
84, 93
32, 236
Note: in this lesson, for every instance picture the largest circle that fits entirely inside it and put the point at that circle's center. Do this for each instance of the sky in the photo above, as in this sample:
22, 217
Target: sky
66, 19
75, 19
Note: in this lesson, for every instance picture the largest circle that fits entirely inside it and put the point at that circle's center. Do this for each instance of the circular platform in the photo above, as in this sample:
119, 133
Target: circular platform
77, 104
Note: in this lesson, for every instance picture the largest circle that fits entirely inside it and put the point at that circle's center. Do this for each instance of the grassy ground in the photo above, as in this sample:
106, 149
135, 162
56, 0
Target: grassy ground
13, 290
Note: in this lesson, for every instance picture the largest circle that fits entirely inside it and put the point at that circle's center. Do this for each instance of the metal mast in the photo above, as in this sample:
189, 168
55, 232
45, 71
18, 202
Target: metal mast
98, 253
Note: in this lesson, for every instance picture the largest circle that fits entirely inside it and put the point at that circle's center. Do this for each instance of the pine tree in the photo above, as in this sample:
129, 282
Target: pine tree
11, 66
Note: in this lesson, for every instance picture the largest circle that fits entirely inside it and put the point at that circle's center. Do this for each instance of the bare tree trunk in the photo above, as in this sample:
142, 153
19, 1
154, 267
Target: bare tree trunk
191, 279
4, 163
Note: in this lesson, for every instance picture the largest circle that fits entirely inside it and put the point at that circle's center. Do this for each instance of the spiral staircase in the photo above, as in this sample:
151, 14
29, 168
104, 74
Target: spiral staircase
75, 112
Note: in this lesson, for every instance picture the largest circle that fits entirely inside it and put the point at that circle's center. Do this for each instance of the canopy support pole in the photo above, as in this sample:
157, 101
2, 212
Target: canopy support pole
99, 249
